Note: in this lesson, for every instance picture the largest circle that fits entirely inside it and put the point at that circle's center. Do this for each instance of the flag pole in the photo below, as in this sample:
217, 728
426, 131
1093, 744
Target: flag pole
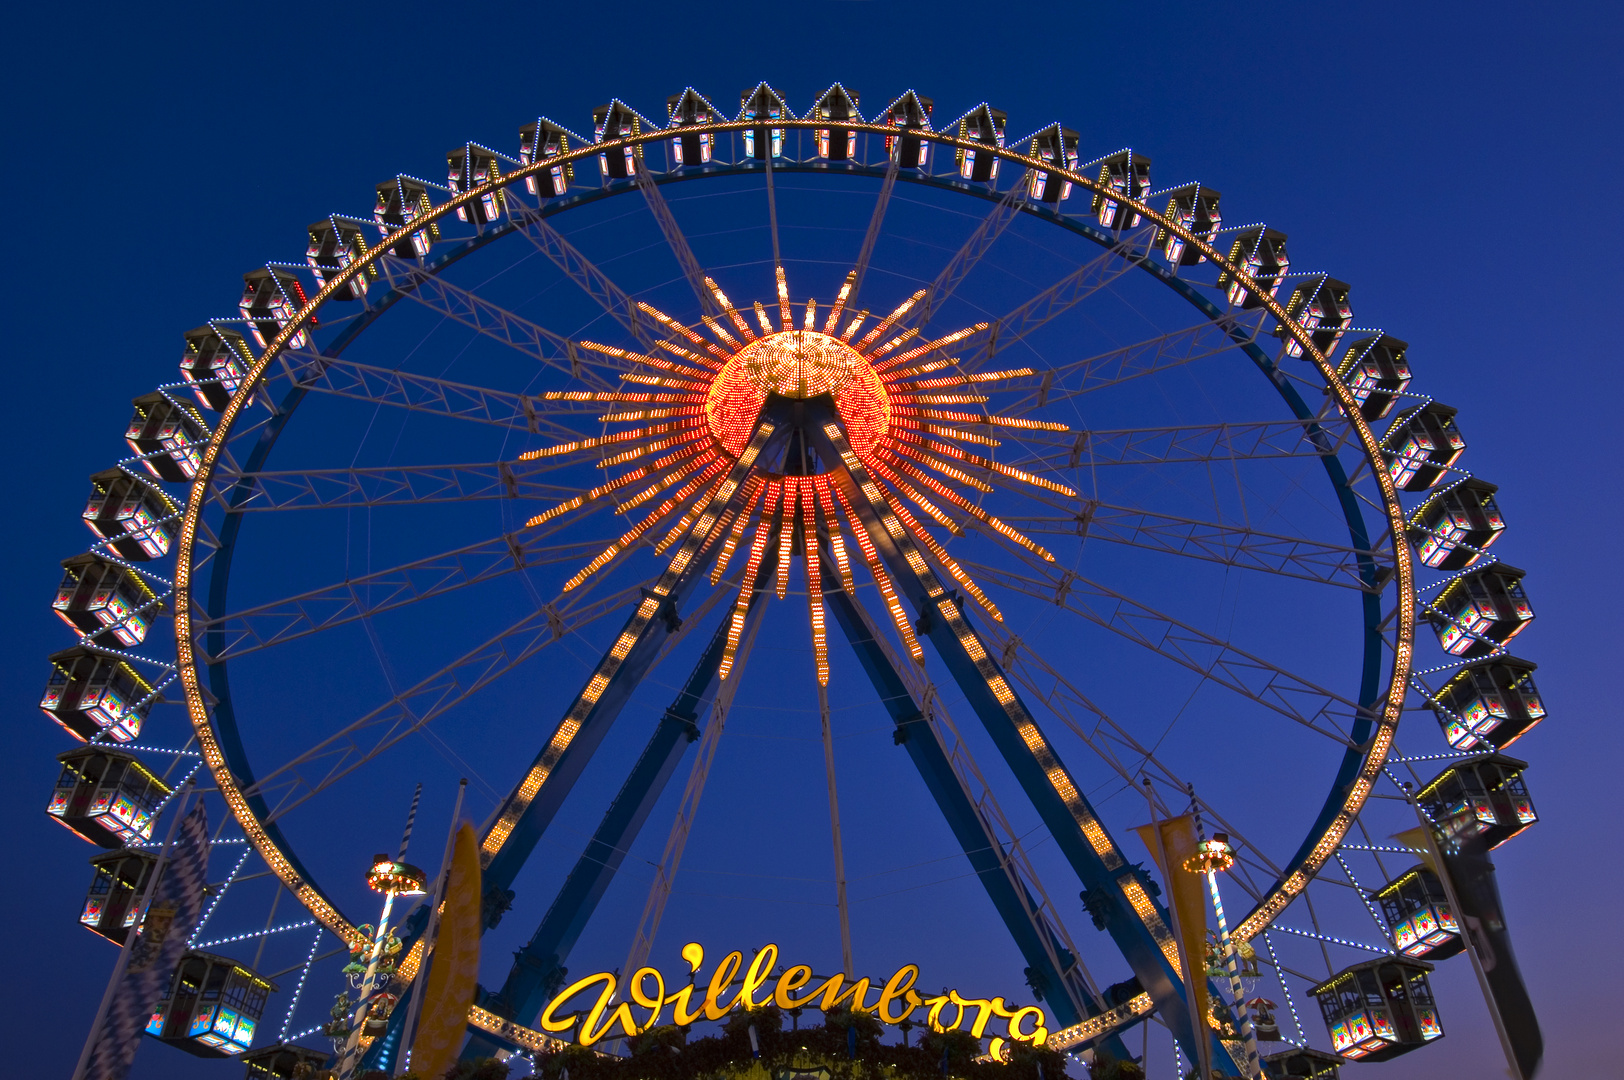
350, 1058
1203, 1051
135, 930
415, 1007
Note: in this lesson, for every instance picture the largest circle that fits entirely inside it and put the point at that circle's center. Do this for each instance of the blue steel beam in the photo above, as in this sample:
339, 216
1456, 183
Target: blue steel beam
525, 816
531, 806
1118, 894
539, 966
985, 852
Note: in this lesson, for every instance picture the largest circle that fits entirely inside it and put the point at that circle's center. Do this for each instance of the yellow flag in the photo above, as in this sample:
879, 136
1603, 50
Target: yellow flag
1417, 840
453, 966
1189, 902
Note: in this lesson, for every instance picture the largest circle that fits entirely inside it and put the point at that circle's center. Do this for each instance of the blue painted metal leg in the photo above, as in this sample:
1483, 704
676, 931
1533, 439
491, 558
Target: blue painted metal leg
538, 968
1120, 896
981, 846
531, 806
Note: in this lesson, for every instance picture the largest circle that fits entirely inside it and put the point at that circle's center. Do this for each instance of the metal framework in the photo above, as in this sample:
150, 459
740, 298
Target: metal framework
702, 501
525, 814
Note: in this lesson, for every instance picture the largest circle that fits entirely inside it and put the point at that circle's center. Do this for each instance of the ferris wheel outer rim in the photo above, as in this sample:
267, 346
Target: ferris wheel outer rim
1279, 895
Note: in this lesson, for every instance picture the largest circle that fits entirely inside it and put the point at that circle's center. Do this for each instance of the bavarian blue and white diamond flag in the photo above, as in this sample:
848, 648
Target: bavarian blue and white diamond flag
156, 950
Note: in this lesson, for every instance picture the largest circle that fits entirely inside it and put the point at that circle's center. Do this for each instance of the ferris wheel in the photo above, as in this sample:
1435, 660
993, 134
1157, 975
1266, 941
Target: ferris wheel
1097, 487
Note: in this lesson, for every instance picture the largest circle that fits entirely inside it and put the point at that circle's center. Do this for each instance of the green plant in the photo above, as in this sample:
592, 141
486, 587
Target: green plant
478, 1069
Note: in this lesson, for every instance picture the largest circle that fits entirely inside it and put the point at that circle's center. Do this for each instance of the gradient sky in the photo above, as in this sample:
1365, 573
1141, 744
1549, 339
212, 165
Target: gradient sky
1458, 164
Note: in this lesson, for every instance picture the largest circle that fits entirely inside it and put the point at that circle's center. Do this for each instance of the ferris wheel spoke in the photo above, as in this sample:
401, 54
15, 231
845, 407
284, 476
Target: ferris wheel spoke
1065, 294
279, 621
414, 708
1212, 658
474, 311
872, 236
678, 243
614, 300
1220, 542
1185, 443
420, 393
967, 256
387, 486
1116, 366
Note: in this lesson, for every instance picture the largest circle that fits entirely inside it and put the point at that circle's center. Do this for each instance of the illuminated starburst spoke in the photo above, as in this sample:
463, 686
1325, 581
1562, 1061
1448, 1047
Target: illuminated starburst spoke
620, 396
851, 327
643, 358
696, 474
783, 299
889, 321
814, 580
837, 542
992, 420
967, 378
581, 500
731, 312
785, 533
901, 339
747, 587
719, 332
883, 580
651, 448
677, 328
677, 350
937, 399
949, 432
607, 440
632, 535
669, 381
972, 510
908, 445
918, 500
741, 518
698, 508
925, 368
839, 305
937, 552
931, 346
648, 414
1000, 469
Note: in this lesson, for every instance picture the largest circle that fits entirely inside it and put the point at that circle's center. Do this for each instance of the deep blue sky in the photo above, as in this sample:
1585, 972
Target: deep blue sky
1459, 164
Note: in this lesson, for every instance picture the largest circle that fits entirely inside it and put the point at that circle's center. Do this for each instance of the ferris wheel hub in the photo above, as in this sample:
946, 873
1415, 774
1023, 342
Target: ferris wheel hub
798, 365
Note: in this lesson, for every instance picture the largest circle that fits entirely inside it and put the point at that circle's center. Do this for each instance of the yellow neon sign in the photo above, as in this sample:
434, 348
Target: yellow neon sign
588, 1005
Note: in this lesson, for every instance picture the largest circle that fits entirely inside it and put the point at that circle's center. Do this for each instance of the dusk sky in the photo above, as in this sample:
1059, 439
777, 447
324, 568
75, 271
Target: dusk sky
1458, 165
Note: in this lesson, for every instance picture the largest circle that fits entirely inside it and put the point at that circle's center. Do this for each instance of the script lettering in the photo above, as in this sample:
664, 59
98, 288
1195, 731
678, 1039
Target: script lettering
897, 1000
791, 981
898, 989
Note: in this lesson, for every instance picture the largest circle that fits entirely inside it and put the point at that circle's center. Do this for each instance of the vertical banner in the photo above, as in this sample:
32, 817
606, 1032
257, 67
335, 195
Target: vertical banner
156, 950
453, 965
1189, 902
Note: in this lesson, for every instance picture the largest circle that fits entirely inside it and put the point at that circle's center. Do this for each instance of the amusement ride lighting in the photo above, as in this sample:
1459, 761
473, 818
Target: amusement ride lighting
891, 450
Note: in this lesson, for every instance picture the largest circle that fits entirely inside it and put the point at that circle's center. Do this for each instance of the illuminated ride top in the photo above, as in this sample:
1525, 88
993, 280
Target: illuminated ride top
736, 438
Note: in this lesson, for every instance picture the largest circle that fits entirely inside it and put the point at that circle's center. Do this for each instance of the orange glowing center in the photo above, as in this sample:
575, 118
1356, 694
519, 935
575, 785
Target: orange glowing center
797, 364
